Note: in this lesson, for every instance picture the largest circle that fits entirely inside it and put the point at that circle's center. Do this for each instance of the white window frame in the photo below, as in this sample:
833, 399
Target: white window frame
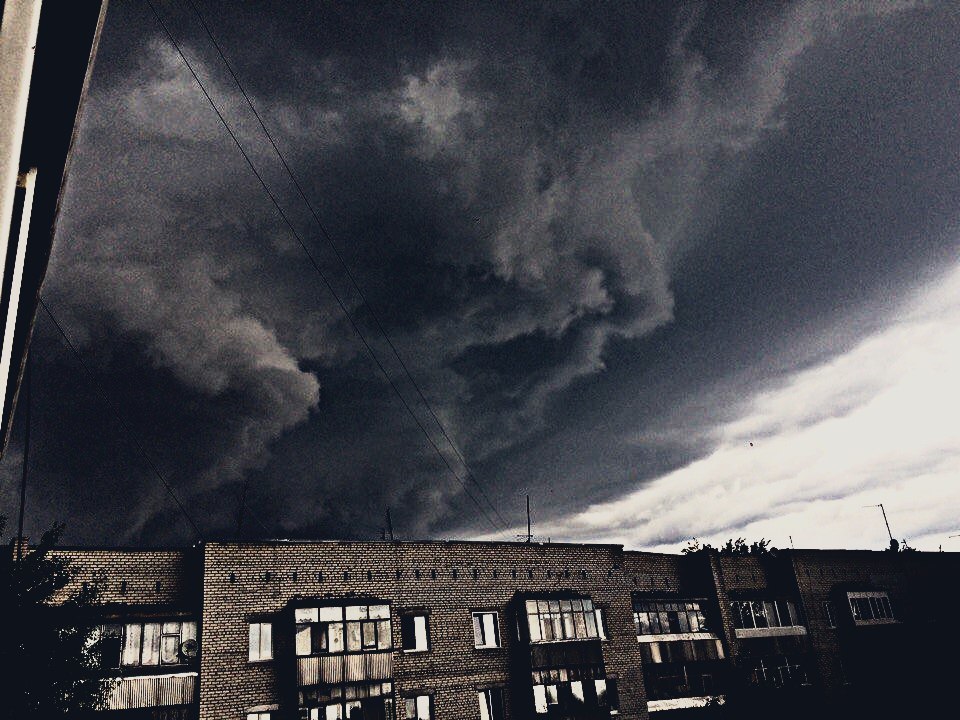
261, 642
868, 595
423, 707
421, 633
258, 716
488, 709
481, 640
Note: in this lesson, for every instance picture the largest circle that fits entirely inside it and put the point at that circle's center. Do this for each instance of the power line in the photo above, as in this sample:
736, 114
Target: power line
314, 263
339, 256
116, 411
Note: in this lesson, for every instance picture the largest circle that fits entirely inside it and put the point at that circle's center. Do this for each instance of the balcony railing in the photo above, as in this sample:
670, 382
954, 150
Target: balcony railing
152, 691
356, 667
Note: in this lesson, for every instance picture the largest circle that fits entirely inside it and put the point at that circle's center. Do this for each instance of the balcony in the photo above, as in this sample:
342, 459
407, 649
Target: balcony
149, 691
335, 669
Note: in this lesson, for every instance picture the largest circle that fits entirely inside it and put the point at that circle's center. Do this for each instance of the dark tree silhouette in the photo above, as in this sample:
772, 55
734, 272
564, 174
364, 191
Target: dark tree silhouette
49, 654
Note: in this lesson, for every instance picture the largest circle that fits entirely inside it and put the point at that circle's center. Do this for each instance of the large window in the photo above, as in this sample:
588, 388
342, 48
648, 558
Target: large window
261, 641
415, 633
338, 629
777, 671
748, 614
870, 607
667, 618
491, 704
148, 643
552, 620
486, 632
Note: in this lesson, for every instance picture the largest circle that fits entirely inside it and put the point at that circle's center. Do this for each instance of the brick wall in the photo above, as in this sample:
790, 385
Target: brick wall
133, 577
454, 578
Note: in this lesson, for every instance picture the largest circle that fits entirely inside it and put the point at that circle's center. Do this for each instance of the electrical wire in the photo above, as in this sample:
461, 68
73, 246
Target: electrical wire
119, 418
314, 263
340, 259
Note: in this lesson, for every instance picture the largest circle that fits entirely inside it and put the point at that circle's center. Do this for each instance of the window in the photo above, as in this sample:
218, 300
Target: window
552, 620
332, 630
261, 641
258, 716
415, 633
148, 643
491, 704
830, 613
418, 708
748, 614
666, 618
870, 607
486, 631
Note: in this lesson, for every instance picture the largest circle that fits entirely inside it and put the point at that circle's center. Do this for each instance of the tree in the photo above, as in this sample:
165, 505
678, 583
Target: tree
732, 547
49, 655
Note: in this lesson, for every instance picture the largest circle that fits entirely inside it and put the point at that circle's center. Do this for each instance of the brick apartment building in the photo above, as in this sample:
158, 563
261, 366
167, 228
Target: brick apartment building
488, 631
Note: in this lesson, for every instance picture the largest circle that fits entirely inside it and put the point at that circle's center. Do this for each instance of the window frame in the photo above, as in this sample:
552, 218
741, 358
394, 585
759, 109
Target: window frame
412, 617
560, 620
259, 655
478, 624
492, 702
416, 700
877, 602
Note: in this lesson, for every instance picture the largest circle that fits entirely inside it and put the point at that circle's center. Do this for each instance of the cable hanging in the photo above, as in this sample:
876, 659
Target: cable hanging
316, 266
340, 259
119, 418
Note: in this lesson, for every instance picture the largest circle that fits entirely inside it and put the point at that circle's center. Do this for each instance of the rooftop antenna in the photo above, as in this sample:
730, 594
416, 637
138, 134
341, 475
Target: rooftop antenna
529, 536
791, 542
893, 543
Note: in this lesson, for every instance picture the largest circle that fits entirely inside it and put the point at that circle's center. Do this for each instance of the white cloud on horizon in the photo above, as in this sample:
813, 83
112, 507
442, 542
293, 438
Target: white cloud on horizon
875, 424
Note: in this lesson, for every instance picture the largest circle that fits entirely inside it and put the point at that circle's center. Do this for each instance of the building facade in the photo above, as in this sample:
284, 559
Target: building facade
490, 631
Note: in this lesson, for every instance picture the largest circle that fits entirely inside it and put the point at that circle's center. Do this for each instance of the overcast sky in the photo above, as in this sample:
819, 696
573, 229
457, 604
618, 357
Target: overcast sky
672, 270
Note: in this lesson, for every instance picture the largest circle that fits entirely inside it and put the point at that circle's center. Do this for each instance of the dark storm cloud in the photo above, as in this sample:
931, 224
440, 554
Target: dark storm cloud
566, 215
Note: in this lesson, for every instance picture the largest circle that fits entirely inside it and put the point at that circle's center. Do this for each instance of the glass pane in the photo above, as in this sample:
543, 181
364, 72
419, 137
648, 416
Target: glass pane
484, 703
305, 615
333, 712
420, 630
581, 625
384, 635
588, 605
131, 644
770, 612
600, 686
546, 627
591, 624
410, 708
683, 622
568, 630
303, 644
353, 636
188, 631
379, 612
369, 630
151, 644
171, 628
576, 605
533, 621
540, 699
423, 707
477, 631
335, 637
330, 614
551, 694
531, 607
576, 689
356, 612
490, 630
170, 649
266, 641
565, 606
